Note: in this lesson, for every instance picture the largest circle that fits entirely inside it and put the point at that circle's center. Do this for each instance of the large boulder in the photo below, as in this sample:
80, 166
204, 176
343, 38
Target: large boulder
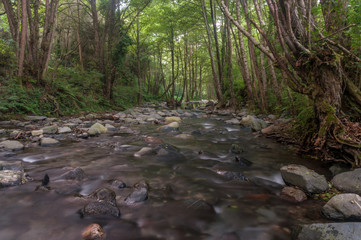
10, 178
96, 129
348, 181
254, 123
50, 129
343, 207
328, 231
11, 145
308, 180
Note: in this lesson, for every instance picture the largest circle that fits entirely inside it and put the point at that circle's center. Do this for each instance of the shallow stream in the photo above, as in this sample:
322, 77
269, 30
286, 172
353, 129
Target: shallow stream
193, 193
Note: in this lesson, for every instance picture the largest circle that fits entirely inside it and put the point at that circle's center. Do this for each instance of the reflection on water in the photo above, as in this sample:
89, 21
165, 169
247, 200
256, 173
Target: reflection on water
199, 193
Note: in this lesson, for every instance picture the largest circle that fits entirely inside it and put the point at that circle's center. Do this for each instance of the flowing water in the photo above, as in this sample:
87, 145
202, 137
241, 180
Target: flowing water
190, 194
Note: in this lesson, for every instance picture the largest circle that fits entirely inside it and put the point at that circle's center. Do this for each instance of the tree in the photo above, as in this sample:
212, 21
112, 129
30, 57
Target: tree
316, 64
30, 56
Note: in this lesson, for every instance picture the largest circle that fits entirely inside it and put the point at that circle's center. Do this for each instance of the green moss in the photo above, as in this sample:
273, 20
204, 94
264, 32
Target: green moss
330, 119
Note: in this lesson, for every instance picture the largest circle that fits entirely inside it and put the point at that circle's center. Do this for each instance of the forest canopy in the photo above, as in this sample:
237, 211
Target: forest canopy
300, 58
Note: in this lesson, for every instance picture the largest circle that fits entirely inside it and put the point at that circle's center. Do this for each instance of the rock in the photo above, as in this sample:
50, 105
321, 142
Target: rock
110, 127
105, 195
199, 206
100, 209
243, 161
328, 231
141, 184
11, 165
45, 180
168, 152
174, 126
75, 174
71, 125
272, 117
232, 175
173, 119
184, 136
269, 130
236, 149
308, 180
2, 131
292, 194
14, 133
45, 142
3, 123
7, 154
343, 207
50, 129
254, 123
35, 118
348, 181
93, 232
96, 129
138, 195
271, 186
233, 121
283, 120
145, 151
150, 139
35, 133
63, 130
10, 178
118, 184
11, 145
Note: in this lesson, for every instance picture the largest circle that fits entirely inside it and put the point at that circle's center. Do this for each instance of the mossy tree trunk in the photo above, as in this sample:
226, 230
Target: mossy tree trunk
317, 66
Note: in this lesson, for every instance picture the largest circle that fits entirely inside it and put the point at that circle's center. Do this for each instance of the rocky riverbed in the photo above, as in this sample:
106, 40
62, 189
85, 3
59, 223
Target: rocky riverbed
156, 173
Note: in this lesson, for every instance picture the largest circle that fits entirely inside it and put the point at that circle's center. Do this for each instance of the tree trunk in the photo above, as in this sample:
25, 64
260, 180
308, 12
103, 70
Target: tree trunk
229, 51
24, 28
78, 38
139, 98
216, 82
244, 61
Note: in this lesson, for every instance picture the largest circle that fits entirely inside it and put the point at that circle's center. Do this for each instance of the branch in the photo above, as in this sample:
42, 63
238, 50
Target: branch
339, 30
247, 34
140, 10
342, 48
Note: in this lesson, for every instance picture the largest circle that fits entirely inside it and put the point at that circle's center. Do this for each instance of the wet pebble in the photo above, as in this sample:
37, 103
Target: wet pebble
93, 232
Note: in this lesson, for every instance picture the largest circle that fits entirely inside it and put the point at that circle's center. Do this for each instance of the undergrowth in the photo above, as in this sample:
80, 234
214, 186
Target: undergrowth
69, 92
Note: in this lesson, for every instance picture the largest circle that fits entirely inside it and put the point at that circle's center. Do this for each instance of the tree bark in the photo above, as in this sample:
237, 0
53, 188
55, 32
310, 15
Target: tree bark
24, 27
139, 97
216, 82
